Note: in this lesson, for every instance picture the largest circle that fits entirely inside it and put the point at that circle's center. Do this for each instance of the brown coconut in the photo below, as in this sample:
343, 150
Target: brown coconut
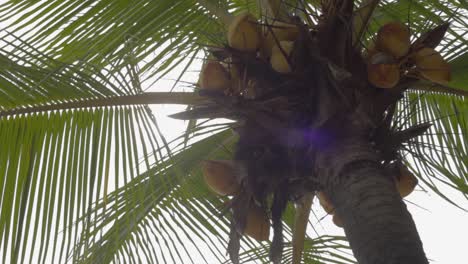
214, 77
325, 203
406, 182
394, 39
278, 60
221, 176
244, 33
337, 221
383, 71
257, 224
276, 32
431, 65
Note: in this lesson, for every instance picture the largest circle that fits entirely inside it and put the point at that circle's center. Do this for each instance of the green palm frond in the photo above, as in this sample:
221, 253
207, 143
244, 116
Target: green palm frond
459, 77
60, 162
101, 32
29, 77
147, 201
439, 156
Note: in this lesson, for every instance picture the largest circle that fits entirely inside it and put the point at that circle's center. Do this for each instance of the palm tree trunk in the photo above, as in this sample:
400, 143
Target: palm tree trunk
376, 221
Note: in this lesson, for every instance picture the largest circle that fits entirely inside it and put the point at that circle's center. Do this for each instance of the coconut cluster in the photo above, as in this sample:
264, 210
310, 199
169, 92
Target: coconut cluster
273, 43
393, 56
293, 97
249, 67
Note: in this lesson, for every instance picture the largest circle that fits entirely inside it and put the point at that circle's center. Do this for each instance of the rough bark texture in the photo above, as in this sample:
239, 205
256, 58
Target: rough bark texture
376, 221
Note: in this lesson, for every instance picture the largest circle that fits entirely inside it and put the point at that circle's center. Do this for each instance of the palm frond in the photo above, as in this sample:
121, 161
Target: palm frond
102, 32
165, 191
439, 156
60, 162
459, 66
31, 78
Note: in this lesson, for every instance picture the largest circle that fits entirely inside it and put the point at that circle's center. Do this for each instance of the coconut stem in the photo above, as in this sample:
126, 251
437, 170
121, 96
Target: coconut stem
137, 99
300, 226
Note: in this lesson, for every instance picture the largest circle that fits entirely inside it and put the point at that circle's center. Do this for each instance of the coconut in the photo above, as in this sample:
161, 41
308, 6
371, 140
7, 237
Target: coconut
221, 176
278, 61
337, 221
257, 224
244, 33
325, 203
276, 32
214, 77
394, 39
383, 71
406, 182
431, 65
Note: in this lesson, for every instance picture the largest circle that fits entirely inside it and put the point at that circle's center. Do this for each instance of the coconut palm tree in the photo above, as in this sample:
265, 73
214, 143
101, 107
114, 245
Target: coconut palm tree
343, 99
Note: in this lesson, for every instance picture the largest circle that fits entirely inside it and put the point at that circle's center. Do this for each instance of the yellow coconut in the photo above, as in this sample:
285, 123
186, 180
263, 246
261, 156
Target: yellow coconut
383, 75
394, 39
382, 71
257, 224
431, 65
276, 32
406, 182
221, 176
244, 33
325, 203
278, 60
337, 221
214, 77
